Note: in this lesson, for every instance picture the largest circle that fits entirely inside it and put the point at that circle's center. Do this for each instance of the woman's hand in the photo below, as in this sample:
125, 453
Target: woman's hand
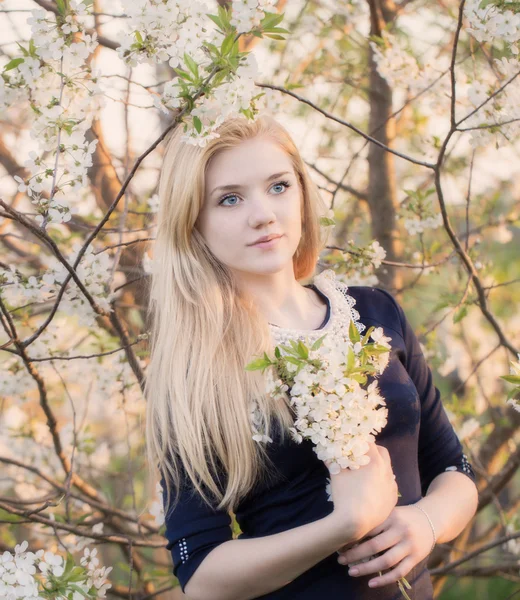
364, 497
404, 539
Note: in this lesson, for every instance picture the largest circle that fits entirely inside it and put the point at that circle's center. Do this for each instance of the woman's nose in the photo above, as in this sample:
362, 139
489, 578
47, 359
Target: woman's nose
261, 212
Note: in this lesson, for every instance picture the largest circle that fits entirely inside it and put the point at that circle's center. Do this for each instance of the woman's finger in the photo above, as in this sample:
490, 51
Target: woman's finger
400, 571
377, 544
380, 528
387, 560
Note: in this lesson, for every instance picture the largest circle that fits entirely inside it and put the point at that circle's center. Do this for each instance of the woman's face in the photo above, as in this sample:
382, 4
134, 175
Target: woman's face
262, 197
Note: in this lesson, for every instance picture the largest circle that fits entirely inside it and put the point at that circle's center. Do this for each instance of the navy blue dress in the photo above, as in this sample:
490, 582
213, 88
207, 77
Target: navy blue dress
418, 436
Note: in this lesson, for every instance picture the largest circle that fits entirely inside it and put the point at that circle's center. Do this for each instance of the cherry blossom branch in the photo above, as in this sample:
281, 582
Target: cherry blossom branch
77, 530
465, 258
51, 7
498, 542
97, 504
51, 420
346, 124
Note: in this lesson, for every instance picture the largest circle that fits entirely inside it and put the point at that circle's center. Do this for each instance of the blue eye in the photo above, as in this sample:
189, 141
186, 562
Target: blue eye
286, 184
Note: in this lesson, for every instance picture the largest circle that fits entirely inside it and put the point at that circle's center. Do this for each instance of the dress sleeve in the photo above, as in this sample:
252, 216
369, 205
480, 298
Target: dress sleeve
193, 529
439, 446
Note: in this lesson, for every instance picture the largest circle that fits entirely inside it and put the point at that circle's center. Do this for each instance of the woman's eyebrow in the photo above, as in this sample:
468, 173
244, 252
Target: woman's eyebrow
233, 186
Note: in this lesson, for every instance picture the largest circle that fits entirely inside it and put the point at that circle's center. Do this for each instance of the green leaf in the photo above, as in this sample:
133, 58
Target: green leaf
191, 64
60, 4
22, 49
271, 20
69, 564
325, 221
353, 332
215, 20
277, 352
293, 360
274, 36
78, 589
212, 48
83, 518
78, 574
442, 304
375, 349
276, 30
12, 64
183, 74
459, 315
255, 365
288, 350
303, 350
10, 518
197, 123
318, 342
138, 37
512, 394
515, 379
59, 518
224, 15
351, 360
367, 335
227, 44
219, 77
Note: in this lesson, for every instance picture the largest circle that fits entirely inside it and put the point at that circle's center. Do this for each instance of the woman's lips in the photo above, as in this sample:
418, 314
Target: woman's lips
268, 244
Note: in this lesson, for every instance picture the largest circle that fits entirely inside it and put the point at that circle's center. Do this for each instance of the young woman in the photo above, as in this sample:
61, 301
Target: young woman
219, 298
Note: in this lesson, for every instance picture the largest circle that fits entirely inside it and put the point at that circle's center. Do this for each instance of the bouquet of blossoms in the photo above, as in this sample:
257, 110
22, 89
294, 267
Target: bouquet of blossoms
327, 386
326, 381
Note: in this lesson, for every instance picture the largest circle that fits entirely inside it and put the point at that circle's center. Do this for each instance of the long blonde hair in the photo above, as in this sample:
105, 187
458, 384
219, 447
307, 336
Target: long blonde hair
204, 330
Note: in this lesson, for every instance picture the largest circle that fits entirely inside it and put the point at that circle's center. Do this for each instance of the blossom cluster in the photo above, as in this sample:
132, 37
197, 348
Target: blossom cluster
92, 271
499, 116
396, 63
53, 76
490, 23
184, 34
326, 386
43, 574
418, 213
162, 31
356, 264
247, 14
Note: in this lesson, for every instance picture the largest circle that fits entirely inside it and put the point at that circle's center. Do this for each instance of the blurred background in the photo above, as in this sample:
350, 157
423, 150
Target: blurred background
407, 116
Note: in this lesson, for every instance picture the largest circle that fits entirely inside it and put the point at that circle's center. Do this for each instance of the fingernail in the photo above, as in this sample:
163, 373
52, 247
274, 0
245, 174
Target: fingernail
353, 571
372, 583
342, 560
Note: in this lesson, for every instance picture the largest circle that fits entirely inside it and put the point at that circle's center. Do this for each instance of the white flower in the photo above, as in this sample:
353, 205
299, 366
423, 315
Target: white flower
378, 253
378, 335
52, 562
514, 403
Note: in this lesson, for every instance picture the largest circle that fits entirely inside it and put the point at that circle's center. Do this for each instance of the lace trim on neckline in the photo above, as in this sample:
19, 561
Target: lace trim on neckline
341, 308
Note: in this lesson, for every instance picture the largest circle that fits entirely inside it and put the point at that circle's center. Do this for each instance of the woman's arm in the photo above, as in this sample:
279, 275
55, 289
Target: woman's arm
447, 480
451, 502
247, 568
